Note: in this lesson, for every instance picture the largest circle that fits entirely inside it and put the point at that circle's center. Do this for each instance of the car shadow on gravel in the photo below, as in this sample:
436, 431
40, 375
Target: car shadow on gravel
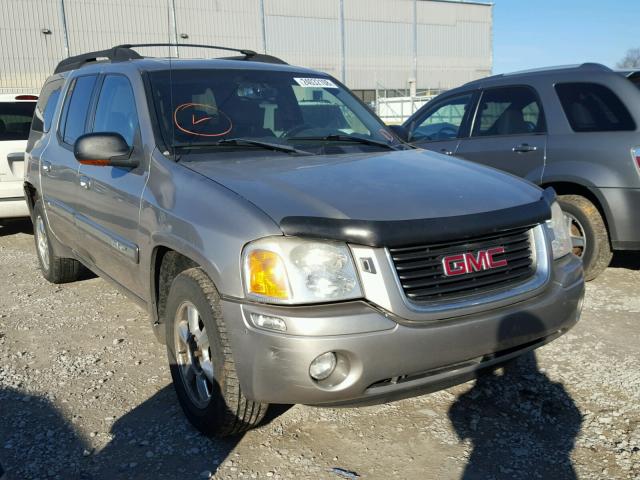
154, 440
628, 260
521, 424
13, 227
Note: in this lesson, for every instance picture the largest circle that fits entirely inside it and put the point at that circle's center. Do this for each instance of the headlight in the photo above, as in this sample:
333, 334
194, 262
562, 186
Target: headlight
293, 270
559, 230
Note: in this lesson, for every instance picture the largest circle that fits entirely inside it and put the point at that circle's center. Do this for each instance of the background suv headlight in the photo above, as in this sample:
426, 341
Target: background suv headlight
558, 228
290, 270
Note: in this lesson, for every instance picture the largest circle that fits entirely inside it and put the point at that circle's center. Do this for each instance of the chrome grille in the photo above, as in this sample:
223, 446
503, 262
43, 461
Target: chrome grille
421, 272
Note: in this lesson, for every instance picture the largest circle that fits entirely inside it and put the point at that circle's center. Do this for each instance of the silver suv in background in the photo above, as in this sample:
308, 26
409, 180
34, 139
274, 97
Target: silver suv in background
16, 112
576, 129
288, 248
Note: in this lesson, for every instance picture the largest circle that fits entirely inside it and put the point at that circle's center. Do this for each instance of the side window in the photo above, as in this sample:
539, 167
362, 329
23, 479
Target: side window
116, 109
76, 107
46, 106
444, 121
508, 111
590, 107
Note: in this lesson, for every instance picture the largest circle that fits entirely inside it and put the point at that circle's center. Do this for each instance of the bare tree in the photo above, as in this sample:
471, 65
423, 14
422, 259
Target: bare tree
631, 59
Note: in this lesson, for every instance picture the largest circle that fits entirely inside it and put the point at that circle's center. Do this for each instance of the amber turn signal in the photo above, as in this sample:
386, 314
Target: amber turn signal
266, 275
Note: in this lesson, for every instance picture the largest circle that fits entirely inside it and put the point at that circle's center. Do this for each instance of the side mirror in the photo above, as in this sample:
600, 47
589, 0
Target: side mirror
104, 149
400, 131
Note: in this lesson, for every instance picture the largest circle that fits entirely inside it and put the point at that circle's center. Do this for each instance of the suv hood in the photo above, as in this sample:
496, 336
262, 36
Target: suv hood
386, 186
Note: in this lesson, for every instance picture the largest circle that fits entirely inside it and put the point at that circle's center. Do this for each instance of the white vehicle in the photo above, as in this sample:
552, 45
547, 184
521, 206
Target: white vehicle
16, 112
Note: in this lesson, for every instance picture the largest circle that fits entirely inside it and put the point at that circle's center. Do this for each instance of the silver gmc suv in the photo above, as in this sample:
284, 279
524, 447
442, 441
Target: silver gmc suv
287, 246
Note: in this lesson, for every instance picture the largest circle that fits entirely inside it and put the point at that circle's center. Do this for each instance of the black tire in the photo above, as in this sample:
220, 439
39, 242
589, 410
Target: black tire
597, 253
226, 411
55, 269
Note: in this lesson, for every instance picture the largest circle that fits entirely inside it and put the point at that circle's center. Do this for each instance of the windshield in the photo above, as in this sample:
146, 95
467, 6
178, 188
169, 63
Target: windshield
205, 107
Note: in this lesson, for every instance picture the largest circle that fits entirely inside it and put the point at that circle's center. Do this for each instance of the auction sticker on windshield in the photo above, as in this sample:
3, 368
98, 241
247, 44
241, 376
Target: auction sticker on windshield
315, 82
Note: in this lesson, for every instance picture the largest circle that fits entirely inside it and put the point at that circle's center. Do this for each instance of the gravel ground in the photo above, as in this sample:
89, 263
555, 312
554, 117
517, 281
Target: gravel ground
85, 393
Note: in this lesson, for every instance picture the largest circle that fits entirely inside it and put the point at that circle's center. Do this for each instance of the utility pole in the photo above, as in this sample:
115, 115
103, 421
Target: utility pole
65, 36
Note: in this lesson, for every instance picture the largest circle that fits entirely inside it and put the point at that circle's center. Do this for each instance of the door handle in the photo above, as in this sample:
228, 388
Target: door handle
524, 148
46, 166
85, 182
445, 151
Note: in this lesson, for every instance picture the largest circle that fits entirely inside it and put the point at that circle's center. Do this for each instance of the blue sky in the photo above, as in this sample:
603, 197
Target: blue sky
536, 33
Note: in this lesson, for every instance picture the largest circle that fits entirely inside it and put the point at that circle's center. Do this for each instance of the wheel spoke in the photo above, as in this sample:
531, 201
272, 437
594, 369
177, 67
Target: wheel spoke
203, 387
183, 336
207, 368
577, 241
202, 340
193, 318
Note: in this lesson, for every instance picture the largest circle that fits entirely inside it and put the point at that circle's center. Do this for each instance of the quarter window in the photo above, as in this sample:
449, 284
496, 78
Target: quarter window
590, 107
443, 123
508, 111
76, 108
116, 109
46, 106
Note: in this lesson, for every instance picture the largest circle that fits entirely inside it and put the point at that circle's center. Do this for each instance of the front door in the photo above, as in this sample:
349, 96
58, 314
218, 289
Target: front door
508, 132
109, 197
440, 125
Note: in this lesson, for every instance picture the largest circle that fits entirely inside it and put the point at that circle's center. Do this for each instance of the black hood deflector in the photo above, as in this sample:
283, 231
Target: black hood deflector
403, 233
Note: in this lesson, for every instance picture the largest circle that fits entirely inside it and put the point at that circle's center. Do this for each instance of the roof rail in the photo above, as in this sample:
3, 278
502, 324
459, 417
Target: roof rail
121, 53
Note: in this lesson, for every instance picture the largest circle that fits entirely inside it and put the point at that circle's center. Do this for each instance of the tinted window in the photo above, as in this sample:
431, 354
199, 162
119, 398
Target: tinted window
443, 121
46, 106
116, 109
15, 120
590, 107
76, 108
508, 111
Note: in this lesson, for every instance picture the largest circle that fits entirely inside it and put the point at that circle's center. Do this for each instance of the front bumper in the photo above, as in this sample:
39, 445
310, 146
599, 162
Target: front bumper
387, 360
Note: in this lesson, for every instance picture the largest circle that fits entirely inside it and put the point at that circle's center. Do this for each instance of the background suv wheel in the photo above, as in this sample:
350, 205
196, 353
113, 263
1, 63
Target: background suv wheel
588, 234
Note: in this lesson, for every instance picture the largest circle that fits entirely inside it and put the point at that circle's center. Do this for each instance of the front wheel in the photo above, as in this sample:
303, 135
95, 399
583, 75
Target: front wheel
589, 236
202, 366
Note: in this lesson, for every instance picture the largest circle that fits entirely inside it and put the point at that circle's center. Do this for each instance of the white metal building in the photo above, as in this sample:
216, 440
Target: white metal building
369, 44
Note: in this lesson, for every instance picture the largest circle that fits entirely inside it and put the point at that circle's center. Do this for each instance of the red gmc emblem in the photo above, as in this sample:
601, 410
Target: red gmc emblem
469, 262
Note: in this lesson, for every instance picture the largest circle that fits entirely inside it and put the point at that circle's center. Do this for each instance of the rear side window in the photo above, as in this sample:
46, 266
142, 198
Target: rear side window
76, 108
590, 107
15, 120
46, 106
116, 109
509, 111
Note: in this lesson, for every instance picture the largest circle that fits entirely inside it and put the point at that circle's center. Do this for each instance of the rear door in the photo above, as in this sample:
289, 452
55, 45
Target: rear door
15, 121
440, 125
109, 197
508, 132
58, 166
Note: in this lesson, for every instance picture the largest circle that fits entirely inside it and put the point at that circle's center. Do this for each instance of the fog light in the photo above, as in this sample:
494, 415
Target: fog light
323, 366
268, 322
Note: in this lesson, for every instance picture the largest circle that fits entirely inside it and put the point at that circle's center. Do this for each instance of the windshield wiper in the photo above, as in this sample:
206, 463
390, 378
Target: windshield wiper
277, 147
348, 138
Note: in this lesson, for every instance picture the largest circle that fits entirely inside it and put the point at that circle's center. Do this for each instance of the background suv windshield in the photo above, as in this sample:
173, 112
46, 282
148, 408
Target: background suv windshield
202, 107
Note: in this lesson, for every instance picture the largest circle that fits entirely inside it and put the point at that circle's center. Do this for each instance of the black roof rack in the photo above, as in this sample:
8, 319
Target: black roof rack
121, 53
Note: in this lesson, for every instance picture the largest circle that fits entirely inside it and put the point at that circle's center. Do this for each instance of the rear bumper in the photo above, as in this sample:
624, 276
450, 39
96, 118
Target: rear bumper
623, 206
387, 360
12, 202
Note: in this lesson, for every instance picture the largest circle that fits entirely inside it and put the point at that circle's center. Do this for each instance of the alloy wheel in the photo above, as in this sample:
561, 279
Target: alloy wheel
42, 242
577, 233
193, 354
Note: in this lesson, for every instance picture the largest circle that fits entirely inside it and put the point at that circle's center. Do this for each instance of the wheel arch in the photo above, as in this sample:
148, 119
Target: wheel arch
564, 186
